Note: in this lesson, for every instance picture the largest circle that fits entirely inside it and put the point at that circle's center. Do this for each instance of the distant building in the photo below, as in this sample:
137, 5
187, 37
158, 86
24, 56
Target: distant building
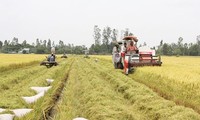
25, 51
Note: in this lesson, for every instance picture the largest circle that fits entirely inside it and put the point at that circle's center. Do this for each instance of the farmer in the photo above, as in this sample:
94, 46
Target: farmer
115, 48
123, 52
123, 49
52, 58
115, 55
130, 51
131, 48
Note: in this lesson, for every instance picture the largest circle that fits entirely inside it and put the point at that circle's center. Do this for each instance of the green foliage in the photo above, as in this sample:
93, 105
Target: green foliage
41, 47
102, 45
179, 48
97, 35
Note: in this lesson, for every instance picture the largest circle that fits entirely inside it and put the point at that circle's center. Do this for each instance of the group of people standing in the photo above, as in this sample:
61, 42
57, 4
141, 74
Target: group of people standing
123, 52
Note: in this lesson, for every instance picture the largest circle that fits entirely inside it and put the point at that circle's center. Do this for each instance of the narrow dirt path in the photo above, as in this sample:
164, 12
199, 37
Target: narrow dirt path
83, 81
43, 109
50, 113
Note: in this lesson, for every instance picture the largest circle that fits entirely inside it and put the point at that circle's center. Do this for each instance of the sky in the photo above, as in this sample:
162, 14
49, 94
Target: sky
72, 21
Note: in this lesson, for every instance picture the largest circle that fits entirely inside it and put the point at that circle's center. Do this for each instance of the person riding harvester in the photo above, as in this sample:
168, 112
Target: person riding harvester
50, 60
131, 51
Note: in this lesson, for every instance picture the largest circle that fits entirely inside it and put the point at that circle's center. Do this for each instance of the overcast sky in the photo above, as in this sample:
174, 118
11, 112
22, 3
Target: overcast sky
72, 21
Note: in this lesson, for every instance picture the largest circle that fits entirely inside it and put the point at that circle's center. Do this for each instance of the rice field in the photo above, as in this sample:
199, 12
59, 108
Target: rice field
8, 59
178, 79
93, 89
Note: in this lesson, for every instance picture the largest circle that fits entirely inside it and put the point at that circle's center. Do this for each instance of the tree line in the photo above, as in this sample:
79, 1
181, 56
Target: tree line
103, 43
104, 40
40, 47
180, 48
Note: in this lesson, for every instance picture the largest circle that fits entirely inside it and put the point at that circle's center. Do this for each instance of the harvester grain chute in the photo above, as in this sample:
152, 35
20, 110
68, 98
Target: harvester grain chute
130, 56
50, 60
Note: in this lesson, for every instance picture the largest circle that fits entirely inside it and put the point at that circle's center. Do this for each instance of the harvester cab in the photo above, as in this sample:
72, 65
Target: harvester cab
131, 56
50, 60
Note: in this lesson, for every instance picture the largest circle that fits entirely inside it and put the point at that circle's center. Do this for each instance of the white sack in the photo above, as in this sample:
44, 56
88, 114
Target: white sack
33, 99
1, 110
80, 118
49, 81
40, 89
21, 112
6, 117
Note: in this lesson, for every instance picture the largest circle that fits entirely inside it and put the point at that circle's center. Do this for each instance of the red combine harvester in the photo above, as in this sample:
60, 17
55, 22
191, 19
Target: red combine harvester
130, 56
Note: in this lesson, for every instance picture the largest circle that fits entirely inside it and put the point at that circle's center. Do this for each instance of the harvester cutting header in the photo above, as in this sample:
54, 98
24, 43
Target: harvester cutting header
126, 55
